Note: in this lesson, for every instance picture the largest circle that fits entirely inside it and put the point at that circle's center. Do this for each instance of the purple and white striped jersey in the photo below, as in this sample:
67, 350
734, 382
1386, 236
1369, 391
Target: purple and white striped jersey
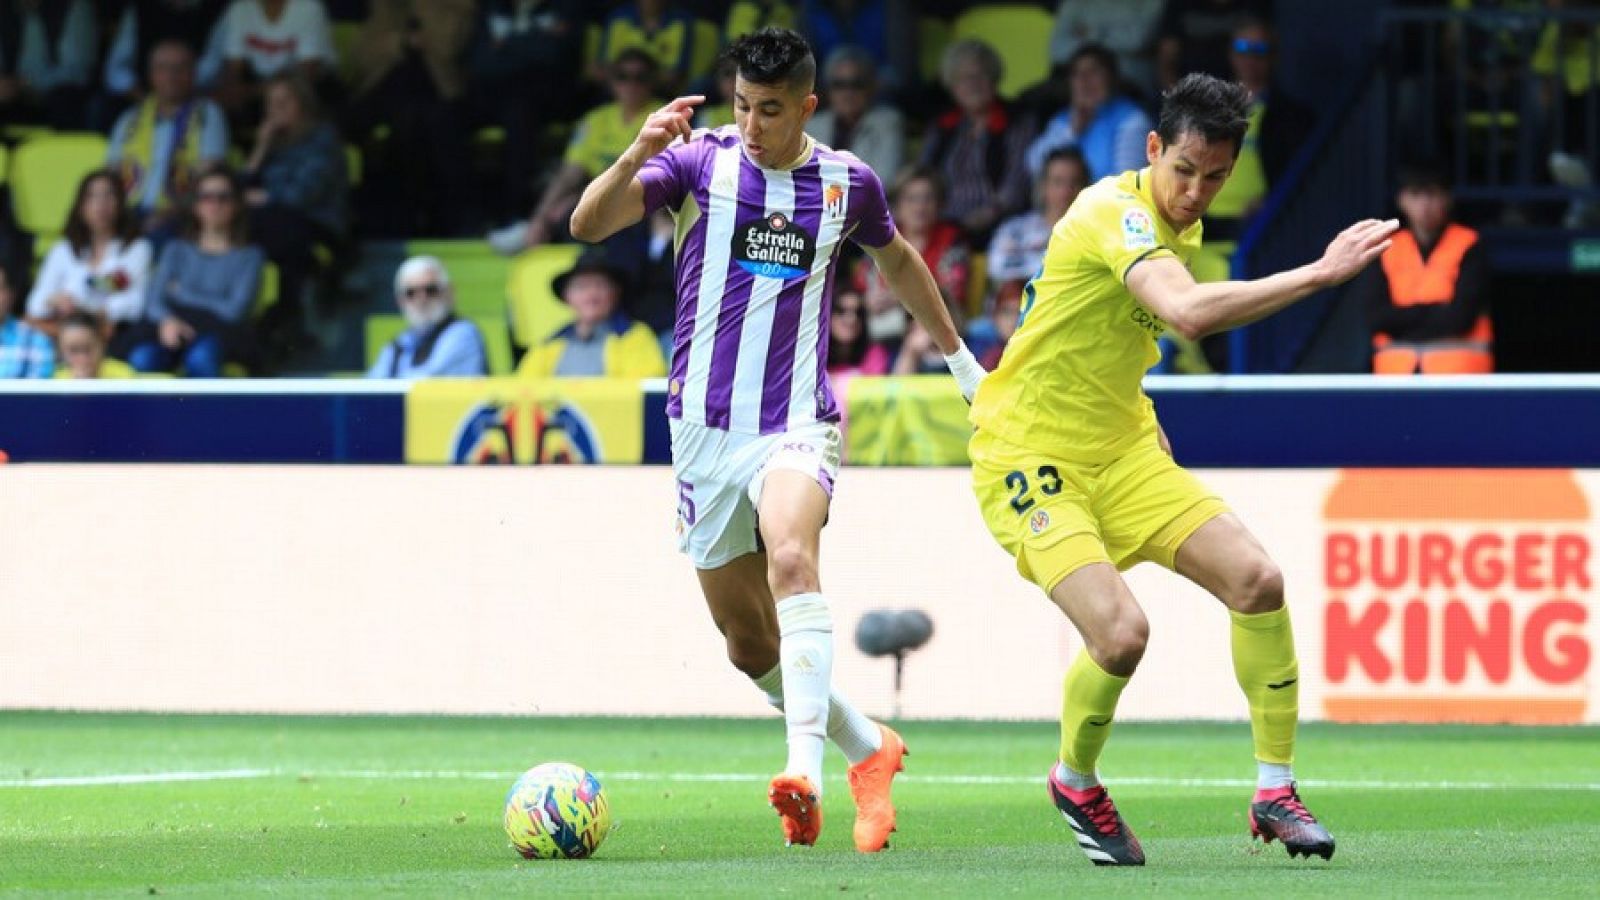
755, 271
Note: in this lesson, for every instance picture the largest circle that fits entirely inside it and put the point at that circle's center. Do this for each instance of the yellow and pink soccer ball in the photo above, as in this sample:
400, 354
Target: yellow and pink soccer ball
557, 811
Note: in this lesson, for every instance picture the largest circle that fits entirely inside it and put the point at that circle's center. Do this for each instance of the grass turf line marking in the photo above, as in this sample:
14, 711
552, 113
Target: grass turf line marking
746, 777
136, 778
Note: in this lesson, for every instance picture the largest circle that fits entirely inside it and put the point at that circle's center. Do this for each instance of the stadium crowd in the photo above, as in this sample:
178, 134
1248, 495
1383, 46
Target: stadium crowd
251, 149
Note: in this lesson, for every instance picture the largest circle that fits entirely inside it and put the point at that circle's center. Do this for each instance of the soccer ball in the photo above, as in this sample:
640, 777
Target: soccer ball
557, 810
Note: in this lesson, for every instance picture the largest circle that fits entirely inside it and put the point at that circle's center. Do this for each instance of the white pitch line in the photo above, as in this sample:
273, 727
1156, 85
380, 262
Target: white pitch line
135, 778
749, 777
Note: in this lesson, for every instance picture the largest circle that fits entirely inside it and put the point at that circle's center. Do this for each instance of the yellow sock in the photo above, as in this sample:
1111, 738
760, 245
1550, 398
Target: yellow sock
1265, 664
1088, 701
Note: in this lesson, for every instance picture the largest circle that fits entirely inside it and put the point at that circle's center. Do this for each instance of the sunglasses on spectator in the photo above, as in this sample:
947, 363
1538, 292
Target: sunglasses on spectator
1246, 47
635, 76
853, 311
421, 290
215, 196
848, 84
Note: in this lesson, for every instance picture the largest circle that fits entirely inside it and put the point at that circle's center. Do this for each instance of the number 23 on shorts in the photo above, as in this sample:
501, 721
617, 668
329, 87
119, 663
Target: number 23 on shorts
1048, 480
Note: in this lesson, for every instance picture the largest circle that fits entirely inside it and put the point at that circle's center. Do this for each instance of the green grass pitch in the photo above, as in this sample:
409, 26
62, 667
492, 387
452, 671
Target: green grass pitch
368, 806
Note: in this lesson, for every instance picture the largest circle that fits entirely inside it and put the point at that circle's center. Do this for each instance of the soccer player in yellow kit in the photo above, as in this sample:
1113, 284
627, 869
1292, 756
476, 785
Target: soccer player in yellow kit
1075, 477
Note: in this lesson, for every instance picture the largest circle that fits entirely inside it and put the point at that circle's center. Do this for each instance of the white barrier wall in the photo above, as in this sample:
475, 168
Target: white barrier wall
1419, 596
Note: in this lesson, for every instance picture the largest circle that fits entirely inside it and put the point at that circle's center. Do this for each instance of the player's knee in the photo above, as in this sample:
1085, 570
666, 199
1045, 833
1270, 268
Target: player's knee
1121, 645
753, 653
1261, 588
791, 569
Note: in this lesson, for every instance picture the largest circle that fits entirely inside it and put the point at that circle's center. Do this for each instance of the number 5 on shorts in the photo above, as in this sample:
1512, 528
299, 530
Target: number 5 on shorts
686, 502
1049, 485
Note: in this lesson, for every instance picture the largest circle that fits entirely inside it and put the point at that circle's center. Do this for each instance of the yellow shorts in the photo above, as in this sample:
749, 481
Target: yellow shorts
1056, 516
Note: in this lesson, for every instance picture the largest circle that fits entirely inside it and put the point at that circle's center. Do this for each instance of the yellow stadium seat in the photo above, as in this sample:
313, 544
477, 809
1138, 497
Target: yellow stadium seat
45, 173
707, 44
345, 35
354, 164
536, 311
479, 283
267, 293
5, 162
449, 249
1019, 33
382, 328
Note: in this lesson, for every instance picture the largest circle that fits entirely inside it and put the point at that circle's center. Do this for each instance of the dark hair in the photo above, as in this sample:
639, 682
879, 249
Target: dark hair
1065, 154
1201, 104
852, 353
76, 231
910, 174
635, 55
1423, 175
774, 56
305, 93
1100, 54
84, 318
239, 228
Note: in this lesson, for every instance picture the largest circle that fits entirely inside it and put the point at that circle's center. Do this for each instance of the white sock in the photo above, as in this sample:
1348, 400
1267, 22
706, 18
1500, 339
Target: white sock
805, 653
1273, 775
854, 733
1074, 779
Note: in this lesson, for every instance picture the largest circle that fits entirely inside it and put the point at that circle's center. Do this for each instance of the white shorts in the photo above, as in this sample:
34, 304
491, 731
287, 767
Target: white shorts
720, 475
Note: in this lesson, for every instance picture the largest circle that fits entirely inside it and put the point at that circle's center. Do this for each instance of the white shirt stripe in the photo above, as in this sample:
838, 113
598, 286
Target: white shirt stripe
750, 378
724, 202
803, 389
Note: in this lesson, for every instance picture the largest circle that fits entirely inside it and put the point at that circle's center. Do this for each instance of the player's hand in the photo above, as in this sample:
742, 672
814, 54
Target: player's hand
1355, 248
668, 123
967, 370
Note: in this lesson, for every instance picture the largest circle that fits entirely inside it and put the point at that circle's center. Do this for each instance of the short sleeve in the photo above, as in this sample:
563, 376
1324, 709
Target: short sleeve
1121, 232
869, 209
318, 34
665, 176
232, 30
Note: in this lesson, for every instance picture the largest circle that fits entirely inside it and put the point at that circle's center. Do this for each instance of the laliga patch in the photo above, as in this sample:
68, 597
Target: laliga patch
1039, 522
1138, 231
774, 247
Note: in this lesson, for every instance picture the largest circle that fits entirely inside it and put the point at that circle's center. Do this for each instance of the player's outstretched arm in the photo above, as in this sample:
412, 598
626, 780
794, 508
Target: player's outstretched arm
615, 199
1195, 310
908, 276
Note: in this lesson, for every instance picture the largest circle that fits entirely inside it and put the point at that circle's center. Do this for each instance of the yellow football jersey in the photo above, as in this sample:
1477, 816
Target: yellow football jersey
1070, 381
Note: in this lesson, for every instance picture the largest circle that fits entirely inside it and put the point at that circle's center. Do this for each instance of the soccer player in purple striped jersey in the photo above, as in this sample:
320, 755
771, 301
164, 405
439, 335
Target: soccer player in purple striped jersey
762, 211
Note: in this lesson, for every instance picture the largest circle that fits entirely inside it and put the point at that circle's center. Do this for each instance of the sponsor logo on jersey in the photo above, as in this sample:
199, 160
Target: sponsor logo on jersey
833, 200
774, 247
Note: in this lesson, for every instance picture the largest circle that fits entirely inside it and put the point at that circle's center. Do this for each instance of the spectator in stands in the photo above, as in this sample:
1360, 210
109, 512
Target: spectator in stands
435, 344
160, 144
1194, 36
979, 144
915, 201
100, 265
853, 121
147, 23
745, 16
521, 45
850, 351
1124, 27
1279, 126
1000, 323
720, 113
297, 197
885, 29
1018, 246
198, 309
660, 29
1428, 303
601, 341
1109, 129
1566, 59
25, 352
82, 348
265, 38
410, 75
47, 57
603, 134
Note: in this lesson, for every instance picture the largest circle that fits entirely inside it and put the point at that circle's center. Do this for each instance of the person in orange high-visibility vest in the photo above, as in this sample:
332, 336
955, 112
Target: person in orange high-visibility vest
1428, 303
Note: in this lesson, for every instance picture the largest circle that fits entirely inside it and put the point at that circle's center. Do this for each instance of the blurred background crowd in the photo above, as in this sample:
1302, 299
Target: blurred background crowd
210, 188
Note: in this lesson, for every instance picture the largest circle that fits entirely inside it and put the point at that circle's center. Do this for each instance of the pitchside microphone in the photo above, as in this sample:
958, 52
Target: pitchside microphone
885, 632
